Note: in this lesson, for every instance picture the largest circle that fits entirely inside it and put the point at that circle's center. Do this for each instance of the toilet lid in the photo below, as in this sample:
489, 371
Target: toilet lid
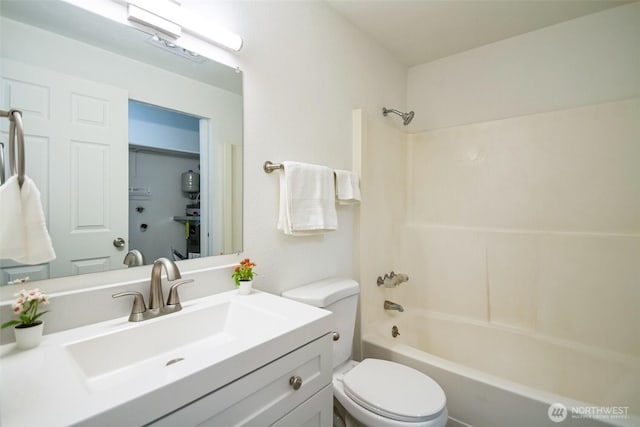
394, 391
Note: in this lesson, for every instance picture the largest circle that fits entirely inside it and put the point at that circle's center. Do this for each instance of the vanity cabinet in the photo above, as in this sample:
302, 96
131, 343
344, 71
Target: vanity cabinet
254, 360
292, 390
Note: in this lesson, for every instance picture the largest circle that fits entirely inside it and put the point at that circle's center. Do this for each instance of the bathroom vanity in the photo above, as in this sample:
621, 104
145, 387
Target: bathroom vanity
225, 359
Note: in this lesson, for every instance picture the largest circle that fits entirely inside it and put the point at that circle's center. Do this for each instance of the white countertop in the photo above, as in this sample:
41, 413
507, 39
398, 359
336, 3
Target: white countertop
45, 387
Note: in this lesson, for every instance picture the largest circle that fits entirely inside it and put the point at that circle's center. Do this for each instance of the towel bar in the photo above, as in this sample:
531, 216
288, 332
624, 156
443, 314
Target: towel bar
269, 167
16, 143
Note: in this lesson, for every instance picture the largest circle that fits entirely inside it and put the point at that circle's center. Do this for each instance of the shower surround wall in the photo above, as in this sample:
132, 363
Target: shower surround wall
522, 206
530, 223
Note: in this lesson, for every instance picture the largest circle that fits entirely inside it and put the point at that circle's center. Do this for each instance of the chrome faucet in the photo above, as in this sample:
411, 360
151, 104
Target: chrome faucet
157, 307
155, 294
133, 258
392, 280
388, 305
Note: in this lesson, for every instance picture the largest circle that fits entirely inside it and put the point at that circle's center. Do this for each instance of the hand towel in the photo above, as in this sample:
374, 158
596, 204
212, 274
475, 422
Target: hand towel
38, 242
307, 199
12, 242
23, 230
347, 187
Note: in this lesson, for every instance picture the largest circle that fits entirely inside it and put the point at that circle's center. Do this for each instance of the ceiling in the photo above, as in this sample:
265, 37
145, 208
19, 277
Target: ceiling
419, 31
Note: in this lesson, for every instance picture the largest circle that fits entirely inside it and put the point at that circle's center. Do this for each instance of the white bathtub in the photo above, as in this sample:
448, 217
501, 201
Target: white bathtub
495, 377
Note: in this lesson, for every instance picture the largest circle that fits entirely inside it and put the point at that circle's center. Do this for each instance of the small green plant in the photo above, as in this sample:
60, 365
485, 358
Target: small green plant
26, 307
244, 271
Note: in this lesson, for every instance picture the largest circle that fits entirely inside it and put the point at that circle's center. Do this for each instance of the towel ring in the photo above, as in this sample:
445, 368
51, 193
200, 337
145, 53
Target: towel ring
16, 143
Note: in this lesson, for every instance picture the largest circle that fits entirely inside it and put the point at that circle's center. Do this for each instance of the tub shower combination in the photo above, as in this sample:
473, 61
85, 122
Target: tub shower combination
495, 376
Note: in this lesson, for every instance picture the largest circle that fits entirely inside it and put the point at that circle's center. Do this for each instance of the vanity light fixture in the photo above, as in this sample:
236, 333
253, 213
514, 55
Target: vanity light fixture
154, 21
168, 17
169, 46
219, 35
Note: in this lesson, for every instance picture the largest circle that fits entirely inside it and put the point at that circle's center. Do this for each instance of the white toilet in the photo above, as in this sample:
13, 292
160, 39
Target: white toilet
375, 393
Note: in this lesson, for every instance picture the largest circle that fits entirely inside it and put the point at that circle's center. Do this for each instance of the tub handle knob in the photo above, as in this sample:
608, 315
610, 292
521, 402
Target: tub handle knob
295, 382
392, 280
336, 336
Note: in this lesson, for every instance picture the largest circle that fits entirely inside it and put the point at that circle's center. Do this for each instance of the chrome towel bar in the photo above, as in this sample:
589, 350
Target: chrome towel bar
269, 167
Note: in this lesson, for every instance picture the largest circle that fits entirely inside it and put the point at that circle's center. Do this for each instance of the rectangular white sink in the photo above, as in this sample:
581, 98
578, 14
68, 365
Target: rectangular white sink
154, 344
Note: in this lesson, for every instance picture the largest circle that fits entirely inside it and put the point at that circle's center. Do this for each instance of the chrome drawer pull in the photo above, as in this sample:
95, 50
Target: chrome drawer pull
295, 382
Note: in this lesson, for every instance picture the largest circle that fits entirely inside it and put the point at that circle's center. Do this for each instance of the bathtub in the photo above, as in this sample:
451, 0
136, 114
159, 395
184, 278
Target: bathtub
496, 376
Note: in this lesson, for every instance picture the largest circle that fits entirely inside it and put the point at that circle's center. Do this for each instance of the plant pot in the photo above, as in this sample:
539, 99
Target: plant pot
28, 336
245, 287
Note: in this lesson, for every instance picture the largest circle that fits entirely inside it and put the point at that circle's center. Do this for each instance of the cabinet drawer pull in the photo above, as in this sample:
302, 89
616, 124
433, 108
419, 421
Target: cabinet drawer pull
295, 382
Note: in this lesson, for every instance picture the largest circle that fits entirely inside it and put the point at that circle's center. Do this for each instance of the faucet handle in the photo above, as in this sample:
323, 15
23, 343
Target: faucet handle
138, 309
173, 301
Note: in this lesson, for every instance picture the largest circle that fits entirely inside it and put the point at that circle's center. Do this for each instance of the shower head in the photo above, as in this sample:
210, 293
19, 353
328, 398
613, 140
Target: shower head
406, 117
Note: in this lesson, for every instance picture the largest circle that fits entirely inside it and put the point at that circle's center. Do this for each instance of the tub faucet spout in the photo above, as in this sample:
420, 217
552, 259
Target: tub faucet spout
388, 305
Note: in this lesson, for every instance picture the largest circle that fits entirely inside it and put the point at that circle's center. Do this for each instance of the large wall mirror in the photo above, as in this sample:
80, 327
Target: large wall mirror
135, 145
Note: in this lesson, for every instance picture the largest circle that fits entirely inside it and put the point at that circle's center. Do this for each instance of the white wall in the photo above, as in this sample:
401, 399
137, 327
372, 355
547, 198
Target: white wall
584, 61
305, 69
523, 194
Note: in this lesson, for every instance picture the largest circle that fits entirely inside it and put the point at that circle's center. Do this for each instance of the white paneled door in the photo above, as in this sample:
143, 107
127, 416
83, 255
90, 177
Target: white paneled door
77, 153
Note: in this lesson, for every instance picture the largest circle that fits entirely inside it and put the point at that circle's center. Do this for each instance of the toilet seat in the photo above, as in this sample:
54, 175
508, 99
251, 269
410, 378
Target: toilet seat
394, 391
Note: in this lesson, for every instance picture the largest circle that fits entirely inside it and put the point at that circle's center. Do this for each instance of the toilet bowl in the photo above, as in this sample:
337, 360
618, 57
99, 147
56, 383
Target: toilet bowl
374, 392
380, 393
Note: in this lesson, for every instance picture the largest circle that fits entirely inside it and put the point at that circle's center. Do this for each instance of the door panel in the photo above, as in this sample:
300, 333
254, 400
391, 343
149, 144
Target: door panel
83, 126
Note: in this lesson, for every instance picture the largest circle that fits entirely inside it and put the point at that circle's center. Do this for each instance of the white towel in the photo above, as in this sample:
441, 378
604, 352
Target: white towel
23, 230
347, 187
12, 243
307, 199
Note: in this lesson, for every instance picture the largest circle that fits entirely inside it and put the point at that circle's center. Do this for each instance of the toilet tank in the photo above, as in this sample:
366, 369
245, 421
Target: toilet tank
340, 296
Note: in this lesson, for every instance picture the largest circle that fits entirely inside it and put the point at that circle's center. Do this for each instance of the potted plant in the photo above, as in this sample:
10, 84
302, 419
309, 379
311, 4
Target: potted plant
28, 330
243, 276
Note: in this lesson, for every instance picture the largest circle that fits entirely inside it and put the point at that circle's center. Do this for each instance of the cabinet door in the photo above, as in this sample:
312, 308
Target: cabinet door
317, 411
264, 396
